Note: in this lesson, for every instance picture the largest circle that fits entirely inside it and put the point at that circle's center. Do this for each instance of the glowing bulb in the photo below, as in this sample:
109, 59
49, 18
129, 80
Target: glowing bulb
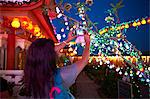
141, 69
108, 62
15, 23
143, 21
140, 75
62, 30
126, 73
64, 35
134, 24
148, 20
147, 80
24, 23
30, 27
70, 49
148, 68
57, 10
138, 72
59, 15
127, 26
101, 63
120, 72
58, 36
131, 75
117, 69
66, 23
75, 52
36, 29
138, 23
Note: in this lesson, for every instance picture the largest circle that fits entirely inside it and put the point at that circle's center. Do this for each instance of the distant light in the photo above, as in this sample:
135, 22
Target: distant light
126, 26
58, 36
131, 75
64, 35
66, 23
134, 24
143, 21
120, 72
147, 80
126, 73
57, 10
62, 30
101, 63
117, 69
138, 72
140, 75
38, 34
148, 68
59, 15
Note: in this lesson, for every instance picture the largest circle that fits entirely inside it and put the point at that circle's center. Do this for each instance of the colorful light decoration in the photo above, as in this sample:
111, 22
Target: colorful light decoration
125, 25
110, 40
15, 23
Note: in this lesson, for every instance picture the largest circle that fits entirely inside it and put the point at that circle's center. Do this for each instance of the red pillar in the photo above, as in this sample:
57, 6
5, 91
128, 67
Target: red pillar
10, 51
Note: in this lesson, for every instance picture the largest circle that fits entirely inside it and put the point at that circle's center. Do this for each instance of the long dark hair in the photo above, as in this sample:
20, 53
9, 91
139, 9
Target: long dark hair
40, 68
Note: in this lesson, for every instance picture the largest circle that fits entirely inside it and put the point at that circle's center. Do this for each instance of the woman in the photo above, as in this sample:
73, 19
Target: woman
42, 78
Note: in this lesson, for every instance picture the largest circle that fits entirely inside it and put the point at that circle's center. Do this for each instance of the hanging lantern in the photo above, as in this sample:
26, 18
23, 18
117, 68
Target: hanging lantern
36, 29
15, 23
138, 23
24, 23
122, 26
30, 26
143, 21
134, 24
148, 20
126, 25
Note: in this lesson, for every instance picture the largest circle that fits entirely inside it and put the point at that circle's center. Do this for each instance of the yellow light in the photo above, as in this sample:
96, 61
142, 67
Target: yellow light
70, 49
119, 35
131, 72
41, 36
61, 50
138, 23
44, 36
24, 23
118, 28
127, 26
148, 20
38, 34
30, 27
101, 32
134, 24
143, 21
74, 52
36, 29
141, 69
15, 23
122, 27
74, 26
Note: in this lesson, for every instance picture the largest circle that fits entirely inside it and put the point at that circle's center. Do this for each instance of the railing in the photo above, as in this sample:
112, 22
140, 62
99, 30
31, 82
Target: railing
12, 75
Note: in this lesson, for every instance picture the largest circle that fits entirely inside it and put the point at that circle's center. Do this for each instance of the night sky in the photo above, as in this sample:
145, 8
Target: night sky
132, 10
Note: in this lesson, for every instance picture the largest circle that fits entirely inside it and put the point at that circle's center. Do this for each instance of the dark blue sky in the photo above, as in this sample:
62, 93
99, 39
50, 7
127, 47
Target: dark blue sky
132, 10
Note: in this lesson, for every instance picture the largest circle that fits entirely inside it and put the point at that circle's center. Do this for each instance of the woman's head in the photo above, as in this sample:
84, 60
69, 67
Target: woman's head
40, 67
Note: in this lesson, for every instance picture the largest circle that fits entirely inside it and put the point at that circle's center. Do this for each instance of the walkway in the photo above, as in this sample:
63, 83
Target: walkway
86, 88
